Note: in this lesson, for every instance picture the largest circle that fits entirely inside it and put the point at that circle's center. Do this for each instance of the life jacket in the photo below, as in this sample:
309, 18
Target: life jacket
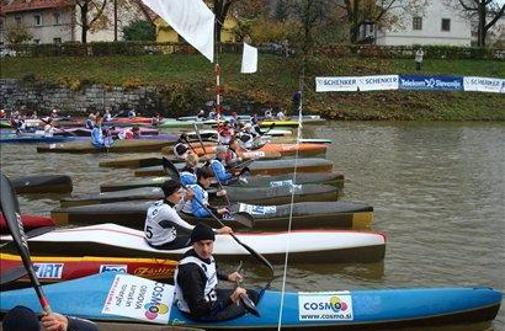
188, 206
209, 269
188, 176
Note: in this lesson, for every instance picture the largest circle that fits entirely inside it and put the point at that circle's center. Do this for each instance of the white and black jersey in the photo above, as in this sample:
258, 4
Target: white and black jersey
164, 228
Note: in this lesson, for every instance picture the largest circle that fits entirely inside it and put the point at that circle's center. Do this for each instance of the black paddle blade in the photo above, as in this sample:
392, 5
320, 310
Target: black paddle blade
10, 209
249, 305
242, 218
170, 168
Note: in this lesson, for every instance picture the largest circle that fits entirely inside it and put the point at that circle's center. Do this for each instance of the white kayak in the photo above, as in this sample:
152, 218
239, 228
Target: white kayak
305, 246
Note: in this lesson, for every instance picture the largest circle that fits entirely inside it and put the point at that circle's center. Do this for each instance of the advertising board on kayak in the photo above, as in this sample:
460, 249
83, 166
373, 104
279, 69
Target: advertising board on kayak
257, 210
139, 298
325, 306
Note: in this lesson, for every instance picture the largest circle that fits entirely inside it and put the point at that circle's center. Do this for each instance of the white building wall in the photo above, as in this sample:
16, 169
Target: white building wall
431, 33
48, 29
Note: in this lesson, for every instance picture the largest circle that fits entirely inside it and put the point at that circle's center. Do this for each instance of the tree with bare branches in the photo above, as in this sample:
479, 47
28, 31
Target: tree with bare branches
485, 13
378, 12
90, 11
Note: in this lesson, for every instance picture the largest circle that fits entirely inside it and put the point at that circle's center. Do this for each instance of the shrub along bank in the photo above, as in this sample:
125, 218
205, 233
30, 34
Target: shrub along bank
188, 81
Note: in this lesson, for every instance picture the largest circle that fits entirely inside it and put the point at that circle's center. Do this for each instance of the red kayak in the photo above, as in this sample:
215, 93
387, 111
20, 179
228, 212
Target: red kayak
134, 120
52, 269
30, 222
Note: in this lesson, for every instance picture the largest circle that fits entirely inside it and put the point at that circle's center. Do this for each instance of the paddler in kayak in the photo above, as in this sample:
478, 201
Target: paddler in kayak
224, 133
218, 165
97, 137
246, 137
196, 279
181, 148
164, 228
49, 128
188, 173
205, 177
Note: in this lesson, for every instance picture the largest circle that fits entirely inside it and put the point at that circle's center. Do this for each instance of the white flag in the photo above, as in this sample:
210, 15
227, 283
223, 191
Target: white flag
191, 19
249, 59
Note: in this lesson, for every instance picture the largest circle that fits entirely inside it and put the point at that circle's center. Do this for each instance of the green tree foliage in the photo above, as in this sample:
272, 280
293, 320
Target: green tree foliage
139, 31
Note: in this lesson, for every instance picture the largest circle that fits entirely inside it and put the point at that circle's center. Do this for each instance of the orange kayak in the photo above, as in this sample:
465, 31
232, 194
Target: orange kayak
283, 149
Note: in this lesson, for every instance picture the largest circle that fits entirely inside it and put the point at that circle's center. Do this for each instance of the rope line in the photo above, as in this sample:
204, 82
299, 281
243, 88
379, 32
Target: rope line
298, 138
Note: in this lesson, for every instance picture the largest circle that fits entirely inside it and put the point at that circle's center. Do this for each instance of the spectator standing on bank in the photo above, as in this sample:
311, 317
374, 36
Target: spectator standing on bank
419, 59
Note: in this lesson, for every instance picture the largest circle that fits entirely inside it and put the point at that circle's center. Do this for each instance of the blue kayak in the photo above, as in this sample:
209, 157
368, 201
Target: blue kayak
119, 297
33, 138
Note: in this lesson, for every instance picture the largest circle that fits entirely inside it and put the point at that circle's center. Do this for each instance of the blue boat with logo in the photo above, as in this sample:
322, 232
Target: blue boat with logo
113, 297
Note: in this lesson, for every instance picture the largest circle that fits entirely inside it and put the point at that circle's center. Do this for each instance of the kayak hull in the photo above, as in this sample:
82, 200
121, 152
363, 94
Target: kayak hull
331, 245
33, 139
119, 146
29, 222
256, 195
268, 168
149, 161
328, 178
284, 149
43, 184
335, 310
51, 269
306, 215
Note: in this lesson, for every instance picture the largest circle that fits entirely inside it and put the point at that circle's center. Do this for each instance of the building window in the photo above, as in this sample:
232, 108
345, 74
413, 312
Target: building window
56, 18
37, 20
19, 20
36, 41
57, 40
446, 24
417, 23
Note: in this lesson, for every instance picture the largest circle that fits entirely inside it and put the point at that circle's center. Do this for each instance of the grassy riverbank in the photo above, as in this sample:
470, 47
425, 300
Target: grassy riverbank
192, 76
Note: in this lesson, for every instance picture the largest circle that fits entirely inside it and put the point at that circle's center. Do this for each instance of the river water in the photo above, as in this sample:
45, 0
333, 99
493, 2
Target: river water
438, 190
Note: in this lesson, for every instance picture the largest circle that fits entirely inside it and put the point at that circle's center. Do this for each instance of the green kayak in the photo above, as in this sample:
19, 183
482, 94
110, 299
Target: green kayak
328, 178
274, 167
255, 195
306, 215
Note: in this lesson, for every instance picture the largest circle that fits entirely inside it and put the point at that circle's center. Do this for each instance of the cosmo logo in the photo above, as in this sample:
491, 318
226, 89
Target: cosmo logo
48, 270
123, 268
155, 307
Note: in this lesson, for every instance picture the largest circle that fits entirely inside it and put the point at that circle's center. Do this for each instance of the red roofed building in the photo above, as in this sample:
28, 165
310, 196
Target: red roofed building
56, 21
48, 21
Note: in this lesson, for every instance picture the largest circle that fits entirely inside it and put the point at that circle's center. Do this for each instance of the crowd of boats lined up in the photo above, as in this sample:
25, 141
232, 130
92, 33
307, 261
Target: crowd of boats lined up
276, 191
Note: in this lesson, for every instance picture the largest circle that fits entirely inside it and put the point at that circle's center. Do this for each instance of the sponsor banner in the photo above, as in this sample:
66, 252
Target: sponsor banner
48, 270
378, 83
336, 84
431, 83
484, 84
114, 268
139, 299
257, 210
325, 306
